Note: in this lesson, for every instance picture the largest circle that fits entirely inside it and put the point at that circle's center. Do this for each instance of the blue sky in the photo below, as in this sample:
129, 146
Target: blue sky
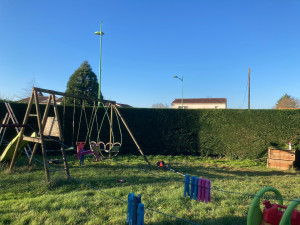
211, 43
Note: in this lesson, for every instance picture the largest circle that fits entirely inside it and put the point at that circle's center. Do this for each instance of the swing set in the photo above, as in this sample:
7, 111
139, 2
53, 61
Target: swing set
99, 148
112, 147
49, 129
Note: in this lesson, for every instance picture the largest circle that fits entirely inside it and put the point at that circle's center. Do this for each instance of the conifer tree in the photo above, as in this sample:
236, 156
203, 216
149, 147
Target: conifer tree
83, 82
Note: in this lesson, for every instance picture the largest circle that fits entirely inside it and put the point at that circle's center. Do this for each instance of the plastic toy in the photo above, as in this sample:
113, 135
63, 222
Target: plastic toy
272, 214
291, 216
135, 210
81, 152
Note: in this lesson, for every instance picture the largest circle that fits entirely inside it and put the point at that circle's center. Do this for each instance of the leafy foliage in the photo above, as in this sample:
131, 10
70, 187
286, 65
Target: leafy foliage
286, 101
203, 132
83, 82
231, 133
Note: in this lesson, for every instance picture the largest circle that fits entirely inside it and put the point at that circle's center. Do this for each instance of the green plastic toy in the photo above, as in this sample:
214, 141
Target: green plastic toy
286, 218
255, 214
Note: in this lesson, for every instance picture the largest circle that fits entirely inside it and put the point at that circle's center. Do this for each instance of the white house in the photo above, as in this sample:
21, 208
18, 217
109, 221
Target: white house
200, 103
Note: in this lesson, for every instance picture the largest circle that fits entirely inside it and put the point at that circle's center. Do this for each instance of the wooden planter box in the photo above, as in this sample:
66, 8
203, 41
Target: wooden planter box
281, 159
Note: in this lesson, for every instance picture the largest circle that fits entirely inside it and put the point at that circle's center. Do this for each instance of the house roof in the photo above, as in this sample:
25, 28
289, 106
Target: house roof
123, 105
42, 99
200, 100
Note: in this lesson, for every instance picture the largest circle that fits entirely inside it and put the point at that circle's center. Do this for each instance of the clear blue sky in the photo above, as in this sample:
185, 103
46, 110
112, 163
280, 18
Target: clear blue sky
211, 43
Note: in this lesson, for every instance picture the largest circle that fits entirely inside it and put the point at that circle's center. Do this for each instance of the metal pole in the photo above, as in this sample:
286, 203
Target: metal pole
249, 89
99, 93
181, 79
100, 33
182, 92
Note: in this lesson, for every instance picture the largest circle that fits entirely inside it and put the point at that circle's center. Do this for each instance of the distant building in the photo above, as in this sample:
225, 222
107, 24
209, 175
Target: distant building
121, 105
200, 103
42, 99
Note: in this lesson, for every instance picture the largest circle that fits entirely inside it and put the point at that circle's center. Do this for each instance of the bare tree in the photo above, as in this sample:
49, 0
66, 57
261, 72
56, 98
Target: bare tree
288, 102
6, 98
26, 91
160, 105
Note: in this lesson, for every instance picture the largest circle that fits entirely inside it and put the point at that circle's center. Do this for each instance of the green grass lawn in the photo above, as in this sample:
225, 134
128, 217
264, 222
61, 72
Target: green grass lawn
26, 199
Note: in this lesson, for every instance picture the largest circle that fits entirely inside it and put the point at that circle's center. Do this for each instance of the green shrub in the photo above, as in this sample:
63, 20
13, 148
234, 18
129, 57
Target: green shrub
231, 133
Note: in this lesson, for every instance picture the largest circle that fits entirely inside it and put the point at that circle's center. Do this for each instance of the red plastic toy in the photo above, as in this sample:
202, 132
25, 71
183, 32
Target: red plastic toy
81, 152
272, 214
160, 164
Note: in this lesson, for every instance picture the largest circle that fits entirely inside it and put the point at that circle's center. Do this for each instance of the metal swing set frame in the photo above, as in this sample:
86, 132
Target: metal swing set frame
43, 134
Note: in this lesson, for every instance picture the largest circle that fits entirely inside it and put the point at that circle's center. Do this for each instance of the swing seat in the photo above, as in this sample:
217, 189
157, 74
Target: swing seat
96, 147
115, 147
70, 149
103, 149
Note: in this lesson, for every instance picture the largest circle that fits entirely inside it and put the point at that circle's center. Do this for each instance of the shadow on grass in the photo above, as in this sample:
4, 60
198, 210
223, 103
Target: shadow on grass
231, 220
219, 171
104, 175
223, 172
136, 174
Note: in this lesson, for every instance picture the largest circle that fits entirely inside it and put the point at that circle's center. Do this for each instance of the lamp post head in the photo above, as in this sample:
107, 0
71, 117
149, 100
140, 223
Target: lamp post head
181, 79
99, 33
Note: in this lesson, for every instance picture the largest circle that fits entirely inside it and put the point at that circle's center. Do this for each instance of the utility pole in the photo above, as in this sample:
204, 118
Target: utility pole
249, 89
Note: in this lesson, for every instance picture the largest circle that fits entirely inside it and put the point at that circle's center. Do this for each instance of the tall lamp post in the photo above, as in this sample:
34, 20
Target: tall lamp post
181, 79
101, 34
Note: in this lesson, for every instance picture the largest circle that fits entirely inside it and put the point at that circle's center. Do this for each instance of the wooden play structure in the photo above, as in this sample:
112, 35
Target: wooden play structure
50, 130
281, 159
11, 121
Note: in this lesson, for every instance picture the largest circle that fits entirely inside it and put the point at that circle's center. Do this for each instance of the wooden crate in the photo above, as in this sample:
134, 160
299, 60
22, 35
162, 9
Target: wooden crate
281, 159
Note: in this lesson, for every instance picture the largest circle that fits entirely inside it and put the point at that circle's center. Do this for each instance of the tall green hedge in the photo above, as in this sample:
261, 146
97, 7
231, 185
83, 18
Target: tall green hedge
229, 132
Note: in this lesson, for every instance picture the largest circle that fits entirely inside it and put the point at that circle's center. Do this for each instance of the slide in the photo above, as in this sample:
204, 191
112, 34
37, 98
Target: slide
10, 148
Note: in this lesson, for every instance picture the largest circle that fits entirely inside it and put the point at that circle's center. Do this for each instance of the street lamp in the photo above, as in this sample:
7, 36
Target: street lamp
182, 89
101, 34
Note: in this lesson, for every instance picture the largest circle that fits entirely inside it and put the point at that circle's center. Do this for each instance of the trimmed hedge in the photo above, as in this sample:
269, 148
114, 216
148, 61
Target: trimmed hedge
229, 132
